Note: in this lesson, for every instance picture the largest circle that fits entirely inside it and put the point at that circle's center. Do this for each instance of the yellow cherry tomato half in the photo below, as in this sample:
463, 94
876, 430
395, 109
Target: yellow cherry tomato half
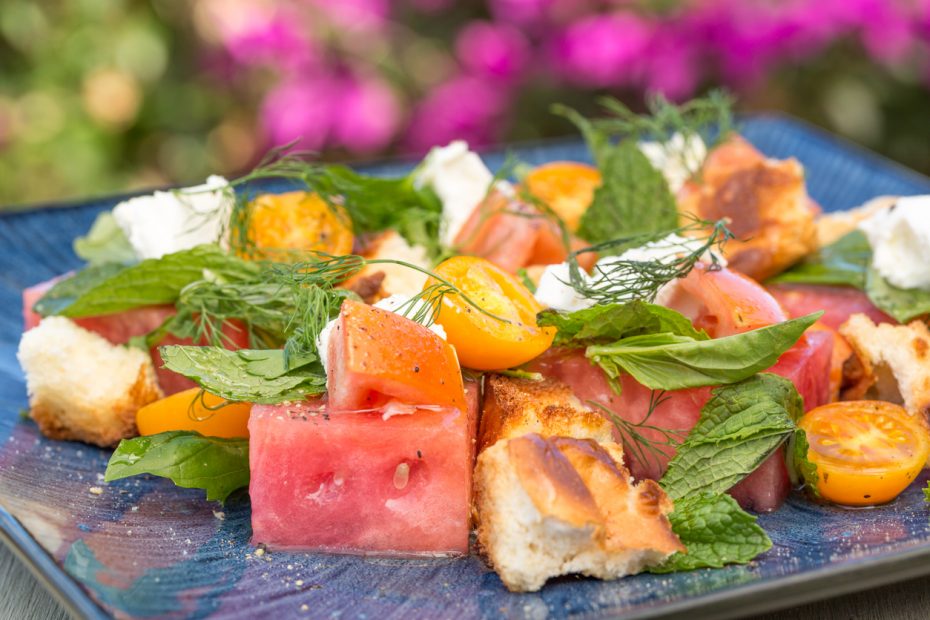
481, 341
567, 187
286, 224
866, 452
186, 411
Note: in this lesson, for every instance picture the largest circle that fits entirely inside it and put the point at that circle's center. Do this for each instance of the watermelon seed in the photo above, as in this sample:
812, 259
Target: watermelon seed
401, 476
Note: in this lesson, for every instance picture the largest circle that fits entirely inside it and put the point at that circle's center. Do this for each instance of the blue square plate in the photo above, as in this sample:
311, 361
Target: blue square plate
144, 548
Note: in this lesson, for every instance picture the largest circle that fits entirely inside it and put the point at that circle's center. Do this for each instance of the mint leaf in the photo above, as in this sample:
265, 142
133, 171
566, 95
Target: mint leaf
716, 532
634, 197
248, 375
844, 263
670, 361
902, 304
64, 292
105, 242
801, 470
108, 289
615, 321
740, 426
190, 460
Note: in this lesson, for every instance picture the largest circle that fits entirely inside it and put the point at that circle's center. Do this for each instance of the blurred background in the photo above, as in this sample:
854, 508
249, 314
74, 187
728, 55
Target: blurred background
106, 95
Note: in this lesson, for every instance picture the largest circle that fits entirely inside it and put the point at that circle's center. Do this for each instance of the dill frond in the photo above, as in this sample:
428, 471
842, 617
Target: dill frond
619, 281
631, 433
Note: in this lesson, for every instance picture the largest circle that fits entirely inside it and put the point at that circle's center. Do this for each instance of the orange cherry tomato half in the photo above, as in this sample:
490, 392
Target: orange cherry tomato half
186, 411
567, 187
282, 225
483, 342
866, 452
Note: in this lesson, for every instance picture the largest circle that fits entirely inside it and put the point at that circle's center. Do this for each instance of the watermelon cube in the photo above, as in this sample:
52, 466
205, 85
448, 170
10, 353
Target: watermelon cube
392, 481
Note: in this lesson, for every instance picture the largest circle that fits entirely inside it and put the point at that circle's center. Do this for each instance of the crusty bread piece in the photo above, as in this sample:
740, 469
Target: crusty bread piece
397, 279
831, 226
770, 213
895, 361
81, 387
557, 506
515, 407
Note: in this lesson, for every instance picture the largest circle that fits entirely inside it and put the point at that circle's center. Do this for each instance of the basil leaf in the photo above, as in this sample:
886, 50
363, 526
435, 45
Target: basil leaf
151, 282
190, 460
615, 321
902, 304
248, 375
105, 242
843, 262
634, 197
716, 532
740, 426
672, 362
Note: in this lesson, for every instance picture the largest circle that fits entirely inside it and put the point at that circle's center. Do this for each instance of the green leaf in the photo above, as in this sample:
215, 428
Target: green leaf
248, 375
902, 304
927, 493
105, 242
801, 470
634, 197
190, 460
108, 289
64, 292
716, 532
843, 263
740, 426
611, 322
672, 362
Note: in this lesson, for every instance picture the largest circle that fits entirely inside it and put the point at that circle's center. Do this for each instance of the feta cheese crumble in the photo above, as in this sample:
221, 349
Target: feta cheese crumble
676, 159
900, 240
395, 303
167, 222
460, 180
555, 291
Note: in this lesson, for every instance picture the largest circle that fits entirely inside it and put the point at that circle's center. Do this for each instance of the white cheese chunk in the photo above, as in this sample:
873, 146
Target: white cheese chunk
397, 304
555, 292
460, 180
676, 158
167, 222
900, 240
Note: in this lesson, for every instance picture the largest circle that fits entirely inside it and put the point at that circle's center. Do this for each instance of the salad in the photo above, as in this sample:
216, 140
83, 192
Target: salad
595, 369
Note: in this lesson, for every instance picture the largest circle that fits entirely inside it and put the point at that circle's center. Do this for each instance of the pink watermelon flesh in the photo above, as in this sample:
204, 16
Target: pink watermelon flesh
806, 365
837, 302
354, 482
120, 327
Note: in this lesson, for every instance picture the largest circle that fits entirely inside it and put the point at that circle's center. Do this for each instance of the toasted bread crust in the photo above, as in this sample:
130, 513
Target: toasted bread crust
54, 422
893, 361
81, 387
559, 505
515, 407
766, 202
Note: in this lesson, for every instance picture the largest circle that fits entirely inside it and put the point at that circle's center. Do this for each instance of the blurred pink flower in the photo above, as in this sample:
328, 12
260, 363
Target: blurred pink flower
355, 14
493, 50
301, 110
602, 50
671, 66
889, 32
275, 42
367, 114
521, 12
466, 107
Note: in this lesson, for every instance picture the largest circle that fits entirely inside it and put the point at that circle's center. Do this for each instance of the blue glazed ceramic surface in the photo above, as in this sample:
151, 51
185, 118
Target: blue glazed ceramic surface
144, 548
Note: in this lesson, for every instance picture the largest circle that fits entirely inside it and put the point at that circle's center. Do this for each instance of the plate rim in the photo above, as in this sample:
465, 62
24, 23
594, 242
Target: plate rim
826, 582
